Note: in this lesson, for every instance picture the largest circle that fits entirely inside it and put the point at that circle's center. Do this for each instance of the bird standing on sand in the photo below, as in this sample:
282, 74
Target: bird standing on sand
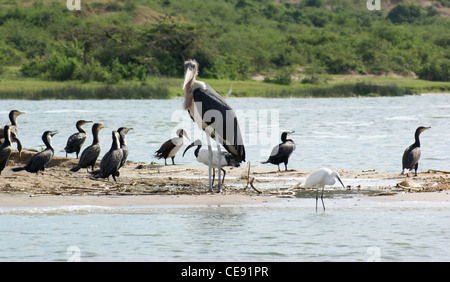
320, 178
202, 156
90, 155
111, 160
5, 148
282, 152
14, 129
411, 155
39, 161
76, 140
171, 147
123, 131
213, 115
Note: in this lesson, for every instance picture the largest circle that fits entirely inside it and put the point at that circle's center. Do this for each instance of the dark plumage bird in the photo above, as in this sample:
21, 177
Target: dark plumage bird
282, 152
202, 156
171, 147
411, 155
14, 129
5, 148
39, 161
111, 160
213, 115
90, 155
123, 131
76, 140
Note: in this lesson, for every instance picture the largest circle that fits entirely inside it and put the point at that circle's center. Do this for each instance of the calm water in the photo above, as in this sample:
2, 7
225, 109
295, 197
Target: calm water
346, 133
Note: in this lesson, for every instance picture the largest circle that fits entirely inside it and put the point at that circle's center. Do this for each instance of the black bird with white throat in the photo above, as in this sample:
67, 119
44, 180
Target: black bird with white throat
76, 140
411, 155
39, 161
282, 152
171, 147
213, 115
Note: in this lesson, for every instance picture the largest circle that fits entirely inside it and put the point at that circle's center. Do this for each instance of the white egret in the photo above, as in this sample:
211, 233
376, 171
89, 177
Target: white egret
320, 178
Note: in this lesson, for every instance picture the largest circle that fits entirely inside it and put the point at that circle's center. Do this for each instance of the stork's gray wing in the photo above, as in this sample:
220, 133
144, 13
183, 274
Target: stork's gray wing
221, 117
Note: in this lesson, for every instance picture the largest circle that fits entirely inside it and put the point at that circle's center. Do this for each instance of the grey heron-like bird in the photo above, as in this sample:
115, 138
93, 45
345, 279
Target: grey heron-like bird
411, 155
281, 152
320, 178
202, 156
76, 140
171, 147
39, 161
214, 116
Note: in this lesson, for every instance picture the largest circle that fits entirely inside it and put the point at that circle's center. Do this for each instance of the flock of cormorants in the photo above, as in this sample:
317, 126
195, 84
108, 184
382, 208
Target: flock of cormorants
115, 158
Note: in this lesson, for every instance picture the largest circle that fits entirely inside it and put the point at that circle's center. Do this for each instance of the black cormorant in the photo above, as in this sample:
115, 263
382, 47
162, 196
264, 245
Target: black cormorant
170, 148
39, 161
76, 140
123, 131
212, 114
203, 154
282, 152
411, 155
14, 129
90, 155
5, 148
111, 160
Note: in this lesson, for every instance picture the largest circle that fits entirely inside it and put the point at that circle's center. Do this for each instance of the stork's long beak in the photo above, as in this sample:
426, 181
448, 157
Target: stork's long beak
188, 76
340, 181
185, 135
188, 147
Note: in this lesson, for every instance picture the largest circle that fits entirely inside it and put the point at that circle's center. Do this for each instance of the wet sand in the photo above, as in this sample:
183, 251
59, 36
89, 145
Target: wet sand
143, 184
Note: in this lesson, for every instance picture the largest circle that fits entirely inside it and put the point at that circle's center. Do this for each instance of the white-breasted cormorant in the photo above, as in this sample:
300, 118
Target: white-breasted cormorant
123, 131
5, 148
212, 114
110, 162
90, 155
202, 156
39, 161
411, 155
281, 152
14, 129
76, 140
171, 147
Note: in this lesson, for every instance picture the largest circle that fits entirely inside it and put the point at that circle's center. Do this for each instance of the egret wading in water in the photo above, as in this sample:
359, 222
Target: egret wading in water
39, 161
320, 178
171, 147
76, 140
214, 116
282, 152
411, 155
202, 156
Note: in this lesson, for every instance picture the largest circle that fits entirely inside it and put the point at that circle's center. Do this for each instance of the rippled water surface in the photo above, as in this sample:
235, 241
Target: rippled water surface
342, 133
346, 133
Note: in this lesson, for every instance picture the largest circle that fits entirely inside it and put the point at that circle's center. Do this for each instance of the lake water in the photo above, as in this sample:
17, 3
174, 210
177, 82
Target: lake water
341, 133
344, 133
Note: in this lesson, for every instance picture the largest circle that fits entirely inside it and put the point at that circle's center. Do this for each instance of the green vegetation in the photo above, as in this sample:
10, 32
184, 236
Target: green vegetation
135, 48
